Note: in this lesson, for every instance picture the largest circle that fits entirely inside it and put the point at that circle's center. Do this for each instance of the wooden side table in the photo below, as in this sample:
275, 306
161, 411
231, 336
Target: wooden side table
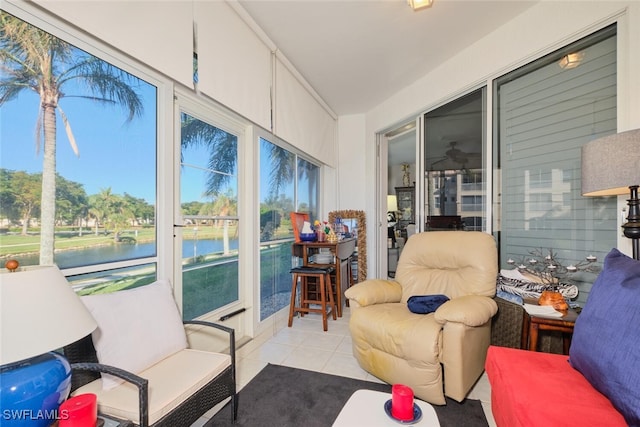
532, 324
342, 251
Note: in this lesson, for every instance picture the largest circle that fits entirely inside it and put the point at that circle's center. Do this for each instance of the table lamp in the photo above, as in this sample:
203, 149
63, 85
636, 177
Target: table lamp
39, 313
392, 208
611, 166
392, 220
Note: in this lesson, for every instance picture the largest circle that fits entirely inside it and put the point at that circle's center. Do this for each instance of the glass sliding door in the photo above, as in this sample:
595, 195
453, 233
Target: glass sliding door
544, 113
454, 188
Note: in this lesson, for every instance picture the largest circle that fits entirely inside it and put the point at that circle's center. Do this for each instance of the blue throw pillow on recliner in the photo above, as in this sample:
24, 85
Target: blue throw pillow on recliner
606, 338
424, 304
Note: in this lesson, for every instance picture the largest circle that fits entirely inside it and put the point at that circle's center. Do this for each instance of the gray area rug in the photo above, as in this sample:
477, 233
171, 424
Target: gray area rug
280, 396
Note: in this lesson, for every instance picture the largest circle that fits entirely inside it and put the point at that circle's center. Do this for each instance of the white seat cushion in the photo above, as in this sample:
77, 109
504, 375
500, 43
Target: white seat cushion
136, 328
171, 381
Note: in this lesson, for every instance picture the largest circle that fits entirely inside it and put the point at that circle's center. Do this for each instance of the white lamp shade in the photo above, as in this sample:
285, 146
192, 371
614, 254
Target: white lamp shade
39, 312
611, 164
392, 203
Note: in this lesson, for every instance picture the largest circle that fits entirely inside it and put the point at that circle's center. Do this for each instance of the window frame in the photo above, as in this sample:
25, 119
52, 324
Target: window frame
164, 94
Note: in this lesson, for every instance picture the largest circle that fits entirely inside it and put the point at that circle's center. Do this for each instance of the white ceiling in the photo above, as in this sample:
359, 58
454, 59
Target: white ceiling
357, 53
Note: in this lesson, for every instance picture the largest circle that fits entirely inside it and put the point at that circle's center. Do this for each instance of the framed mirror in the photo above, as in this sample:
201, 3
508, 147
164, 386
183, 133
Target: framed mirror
357, 224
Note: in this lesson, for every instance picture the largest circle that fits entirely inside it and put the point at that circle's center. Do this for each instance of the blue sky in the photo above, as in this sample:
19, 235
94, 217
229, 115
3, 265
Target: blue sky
112, 152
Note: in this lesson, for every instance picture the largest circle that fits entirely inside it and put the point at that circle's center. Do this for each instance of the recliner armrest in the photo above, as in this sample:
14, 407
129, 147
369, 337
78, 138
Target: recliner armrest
470, 310
374, 291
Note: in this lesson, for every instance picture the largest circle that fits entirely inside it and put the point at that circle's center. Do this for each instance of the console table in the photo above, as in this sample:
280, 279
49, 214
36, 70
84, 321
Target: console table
342, 252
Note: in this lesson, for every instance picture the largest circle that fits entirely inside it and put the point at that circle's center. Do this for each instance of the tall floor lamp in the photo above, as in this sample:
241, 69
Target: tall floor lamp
611, 166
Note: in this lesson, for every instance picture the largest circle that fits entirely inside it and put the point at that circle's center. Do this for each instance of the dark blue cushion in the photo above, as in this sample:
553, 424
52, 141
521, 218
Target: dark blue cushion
424, 304
606, 338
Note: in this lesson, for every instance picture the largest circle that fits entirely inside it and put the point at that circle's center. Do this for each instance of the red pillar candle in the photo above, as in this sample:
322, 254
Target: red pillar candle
402, 402
79, 411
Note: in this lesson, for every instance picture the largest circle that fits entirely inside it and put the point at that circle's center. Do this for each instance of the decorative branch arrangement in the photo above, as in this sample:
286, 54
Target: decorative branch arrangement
549, 270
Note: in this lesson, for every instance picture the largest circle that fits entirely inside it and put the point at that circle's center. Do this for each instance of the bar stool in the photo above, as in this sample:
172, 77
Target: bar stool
323, 293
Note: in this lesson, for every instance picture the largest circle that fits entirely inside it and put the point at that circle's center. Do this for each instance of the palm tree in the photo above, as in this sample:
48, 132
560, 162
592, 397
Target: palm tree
226, 205
223, 149
35, 60
222, 155
102, 207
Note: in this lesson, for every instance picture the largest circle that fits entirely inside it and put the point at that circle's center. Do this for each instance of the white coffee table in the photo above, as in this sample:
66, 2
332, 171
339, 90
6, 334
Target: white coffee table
366, 408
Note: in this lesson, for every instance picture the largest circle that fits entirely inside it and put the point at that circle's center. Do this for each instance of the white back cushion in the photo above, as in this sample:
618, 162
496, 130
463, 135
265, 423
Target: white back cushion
136, 328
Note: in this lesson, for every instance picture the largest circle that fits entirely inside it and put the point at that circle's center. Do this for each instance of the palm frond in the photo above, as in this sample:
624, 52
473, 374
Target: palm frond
283, 170
67, 128
110, 84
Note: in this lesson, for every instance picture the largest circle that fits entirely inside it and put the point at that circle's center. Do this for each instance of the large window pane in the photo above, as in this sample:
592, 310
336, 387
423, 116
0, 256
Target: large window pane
545, 114
209, 204
307, 194
277, 200
69, 195
286, 181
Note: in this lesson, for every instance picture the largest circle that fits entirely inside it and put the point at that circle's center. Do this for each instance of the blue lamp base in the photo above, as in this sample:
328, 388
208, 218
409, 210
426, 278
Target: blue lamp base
31, 390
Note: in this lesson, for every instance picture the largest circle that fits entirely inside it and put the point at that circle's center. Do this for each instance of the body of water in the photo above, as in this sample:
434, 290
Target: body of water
122, 251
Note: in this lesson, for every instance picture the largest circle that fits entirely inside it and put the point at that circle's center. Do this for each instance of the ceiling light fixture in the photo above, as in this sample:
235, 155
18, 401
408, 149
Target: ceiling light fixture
571, 60
419, 4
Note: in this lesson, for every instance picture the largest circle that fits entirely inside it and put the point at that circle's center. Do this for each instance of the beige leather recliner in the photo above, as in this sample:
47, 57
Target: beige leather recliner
399, 346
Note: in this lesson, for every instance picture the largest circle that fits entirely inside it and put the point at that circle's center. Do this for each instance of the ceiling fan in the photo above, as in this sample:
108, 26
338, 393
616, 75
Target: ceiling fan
454, 158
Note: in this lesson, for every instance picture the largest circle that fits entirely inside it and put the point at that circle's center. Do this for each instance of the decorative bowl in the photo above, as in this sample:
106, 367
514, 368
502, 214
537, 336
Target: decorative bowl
308, 237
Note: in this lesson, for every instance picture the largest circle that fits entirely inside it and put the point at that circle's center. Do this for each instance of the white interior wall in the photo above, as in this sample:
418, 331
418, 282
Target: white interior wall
538, 31
351, 166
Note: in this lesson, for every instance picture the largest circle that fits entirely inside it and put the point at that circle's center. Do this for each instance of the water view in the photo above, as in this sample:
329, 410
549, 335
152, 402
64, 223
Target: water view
117, 252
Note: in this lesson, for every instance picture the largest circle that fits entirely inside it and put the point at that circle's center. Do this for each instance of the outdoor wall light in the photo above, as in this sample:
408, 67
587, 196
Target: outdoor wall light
419, 4
571, 60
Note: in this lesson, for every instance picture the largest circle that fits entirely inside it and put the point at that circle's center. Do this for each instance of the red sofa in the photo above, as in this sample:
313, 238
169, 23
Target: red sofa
540, 389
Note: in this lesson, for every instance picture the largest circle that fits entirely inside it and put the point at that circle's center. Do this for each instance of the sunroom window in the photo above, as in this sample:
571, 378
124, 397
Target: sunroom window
80, 191
287, 183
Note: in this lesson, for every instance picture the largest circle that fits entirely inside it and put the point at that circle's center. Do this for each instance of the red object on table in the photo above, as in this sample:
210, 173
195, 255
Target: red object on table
402, 402
79, 411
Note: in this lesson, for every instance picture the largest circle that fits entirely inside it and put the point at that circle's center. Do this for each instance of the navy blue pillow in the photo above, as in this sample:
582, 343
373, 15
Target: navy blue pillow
606, 338
424, 304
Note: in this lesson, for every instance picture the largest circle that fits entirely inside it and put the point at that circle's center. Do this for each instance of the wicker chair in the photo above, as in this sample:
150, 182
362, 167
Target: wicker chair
85, 367
506, 325
506, 329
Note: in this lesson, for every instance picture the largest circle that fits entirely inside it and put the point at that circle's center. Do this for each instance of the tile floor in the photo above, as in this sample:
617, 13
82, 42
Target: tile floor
306, 346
